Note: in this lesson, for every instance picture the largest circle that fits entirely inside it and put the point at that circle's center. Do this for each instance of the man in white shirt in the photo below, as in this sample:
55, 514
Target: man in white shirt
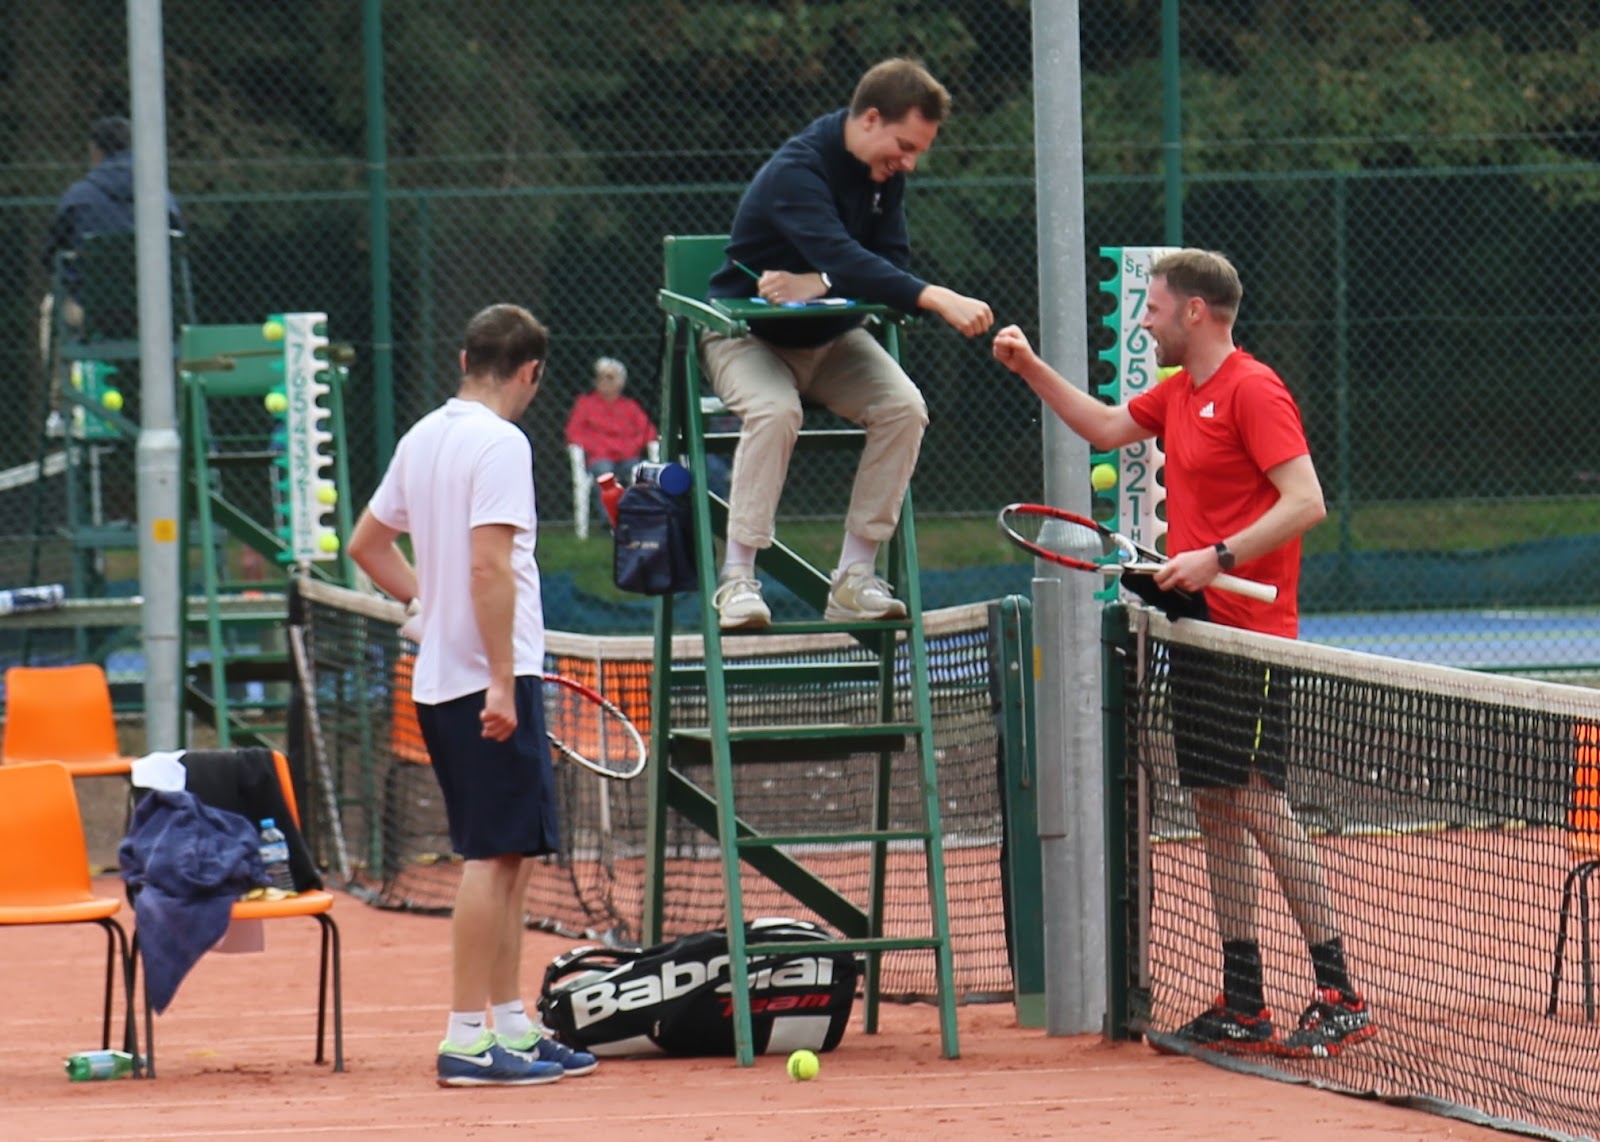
461, 485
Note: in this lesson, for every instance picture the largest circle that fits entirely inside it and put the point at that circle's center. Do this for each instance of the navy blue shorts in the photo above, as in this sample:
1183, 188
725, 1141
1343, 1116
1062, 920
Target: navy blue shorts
499, 797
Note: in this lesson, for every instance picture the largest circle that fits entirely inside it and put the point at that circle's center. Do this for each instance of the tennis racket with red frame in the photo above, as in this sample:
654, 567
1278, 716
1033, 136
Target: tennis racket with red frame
1071, 540
588, 729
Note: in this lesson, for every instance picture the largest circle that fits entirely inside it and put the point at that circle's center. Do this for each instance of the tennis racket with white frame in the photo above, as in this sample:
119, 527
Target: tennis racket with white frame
588, 729
1071, 540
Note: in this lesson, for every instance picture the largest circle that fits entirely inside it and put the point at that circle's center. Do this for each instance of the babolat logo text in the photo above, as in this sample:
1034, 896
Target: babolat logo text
604, 998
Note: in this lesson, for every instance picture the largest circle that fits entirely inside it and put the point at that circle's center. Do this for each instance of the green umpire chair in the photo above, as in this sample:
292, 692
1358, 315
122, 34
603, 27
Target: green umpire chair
894, 672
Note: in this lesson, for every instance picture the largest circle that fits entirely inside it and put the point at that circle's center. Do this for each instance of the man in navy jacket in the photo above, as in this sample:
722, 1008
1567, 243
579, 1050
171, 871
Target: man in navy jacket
101, 202
826, 217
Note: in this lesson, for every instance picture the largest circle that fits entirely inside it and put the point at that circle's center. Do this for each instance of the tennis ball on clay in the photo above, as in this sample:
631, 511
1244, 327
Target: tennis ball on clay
272, 330
276, 402
803, 1066
327, 494
1103, 477
112, 399
328, 541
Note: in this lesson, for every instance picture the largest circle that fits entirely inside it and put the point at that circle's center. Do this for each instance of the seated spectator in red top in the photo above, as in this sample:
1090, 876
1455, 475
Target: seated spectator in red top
613, 430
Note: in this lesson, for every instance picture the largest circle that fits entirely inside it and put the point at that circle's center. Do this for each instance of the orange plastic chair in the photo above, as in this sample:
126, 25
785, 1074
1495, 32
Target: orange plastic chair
62, 713
1583, 845
314, 903
406, 748
405, 735
44, 873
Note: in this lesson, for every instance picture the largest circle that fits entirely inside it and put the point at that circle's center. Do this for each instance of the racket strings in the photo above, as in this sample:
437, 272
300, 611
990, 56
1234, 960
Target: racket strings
589, 731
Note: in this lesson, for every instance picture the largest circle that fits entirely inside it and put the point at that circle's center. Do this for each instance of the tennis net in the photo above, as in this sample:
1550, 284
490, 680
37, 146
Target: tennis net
392, 821
1447, 809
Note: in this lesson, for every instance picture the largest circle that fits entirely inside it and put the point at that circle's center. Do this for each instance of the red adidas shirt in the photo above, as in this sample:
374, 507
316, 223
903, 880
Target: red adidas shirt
1220, 440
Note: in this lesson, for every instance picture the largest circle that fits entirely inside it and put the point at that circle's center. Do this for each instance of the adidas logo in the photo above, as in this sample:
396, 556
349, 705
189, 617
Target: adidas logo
1208, 410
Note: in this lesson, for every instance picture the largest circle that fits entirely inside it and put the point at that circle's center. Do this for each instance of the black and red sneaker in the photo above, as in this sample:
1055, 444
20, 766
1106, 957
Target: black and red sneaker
1332, 1022
1221, 1028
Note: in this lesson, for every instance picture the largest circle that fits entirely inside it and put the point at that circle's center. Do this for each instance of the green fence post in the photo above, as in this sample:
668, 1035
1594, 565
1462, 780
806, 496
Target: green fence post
1022, 878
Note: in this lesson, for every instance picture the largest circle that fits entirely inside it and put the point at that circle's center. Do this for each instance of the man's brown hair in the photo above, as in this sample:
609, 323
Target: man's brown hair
502, 339
896, 87
1205, 274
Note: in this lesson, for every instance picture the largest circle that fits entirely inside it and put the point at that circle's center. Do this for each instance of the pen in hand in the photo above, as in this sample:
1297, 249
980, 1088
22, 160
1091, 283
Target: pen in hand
754, 275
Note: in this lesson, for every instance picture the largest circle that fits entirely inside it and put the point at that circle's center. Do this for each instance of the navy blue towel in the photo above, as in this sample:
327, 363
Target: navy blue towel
185, 863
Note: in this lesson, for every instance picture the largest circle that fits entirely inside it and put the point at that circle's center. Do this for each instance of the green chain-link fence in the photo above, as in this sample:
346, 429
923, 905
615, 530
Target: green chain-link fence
1409, 190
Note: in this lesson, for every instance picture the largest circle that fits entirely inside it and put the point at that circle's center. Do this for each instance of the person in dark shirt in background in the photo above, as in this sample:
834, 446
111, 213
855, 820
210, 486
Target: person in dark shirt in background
101, 202
826, 216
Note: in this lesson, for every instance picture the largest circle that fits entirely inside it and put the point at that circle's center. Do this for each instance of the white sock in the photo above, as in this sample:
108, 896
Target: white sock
465, 1029
738, 555
857, 550
511, 1019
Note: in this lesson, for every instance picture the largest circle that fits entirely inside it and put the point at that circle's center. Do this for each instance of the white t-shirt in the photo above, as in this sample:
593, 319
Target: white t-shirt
463, 466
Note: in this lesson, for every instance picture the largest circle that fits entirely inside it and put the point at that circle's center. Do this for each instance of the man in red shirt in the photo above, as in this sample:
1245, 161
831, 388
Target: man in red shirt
1241, 490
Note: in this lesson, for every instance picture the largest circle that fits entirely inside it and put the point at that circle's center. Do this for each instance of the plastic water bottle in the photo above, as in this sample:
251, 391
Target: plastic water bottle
87, 1066
674, 479
610, 493
275, 855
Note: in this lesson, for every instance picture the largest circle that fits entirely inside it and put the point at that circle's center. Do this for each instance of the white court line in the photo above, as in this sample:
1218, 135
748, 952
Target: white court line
546, 1120
738, 1080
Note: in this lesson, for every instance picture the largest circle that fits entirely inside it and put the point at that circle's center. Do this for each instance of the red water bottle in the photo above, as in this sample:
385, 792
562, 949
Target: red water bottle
610, 493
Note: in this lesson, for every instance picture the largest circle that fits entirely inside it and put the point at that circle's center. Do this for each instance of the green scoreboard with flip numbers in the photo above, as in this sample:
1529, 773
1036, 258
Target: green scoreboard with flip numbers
1128, 494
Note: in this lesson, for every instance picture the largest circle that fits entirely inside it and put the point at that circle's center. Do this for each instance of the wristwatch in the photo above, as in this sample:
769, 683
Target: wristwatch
827, 282
1225, 558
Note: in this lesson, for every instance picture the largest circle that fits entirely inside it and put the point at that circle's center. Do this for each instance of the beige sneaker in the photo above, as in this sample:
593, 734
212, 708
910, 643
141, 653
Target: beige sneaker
859, 594
740, 605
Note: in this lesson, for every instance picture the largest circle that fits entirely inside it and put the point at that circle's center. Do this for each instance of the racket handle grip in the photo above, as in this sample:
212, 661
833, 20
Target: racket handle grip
1249, 588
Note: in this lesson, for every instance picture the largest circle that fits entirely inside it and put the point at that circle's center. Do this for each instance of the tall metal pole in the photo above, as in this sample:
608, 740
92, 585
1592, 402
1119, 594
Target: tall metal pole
1066, 620
378, 233
1341, 374
1171, 122
160, 560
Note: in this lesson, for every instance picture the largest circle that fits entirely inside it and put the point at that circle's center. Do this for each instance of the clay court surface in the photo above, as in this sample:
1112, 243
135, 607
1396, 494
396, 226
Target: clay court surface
234, 1054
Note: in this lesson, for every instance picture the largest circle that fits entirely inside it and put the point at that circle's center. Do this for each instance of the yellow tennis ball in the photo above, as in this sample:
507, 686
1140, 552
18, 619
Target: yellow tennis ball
272, 330
1103, 477
803, 1066
112, 399
276, 402
328, 541
327, 494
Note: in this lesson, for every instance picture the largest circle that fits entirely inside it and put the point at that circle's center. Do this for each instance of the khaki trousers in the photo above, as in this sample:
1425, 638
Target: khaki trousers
852, 376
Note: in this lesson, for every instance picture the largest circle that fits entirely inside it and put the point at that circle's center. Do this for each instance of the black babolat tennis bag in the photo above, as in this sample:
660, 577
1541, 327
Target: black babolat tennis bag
676, 997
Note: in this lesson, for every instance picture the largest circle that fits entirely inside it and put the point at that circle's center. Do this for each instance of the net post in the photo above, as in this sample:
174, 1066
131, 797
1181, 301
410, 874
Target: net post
1021, 873
1116, 647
